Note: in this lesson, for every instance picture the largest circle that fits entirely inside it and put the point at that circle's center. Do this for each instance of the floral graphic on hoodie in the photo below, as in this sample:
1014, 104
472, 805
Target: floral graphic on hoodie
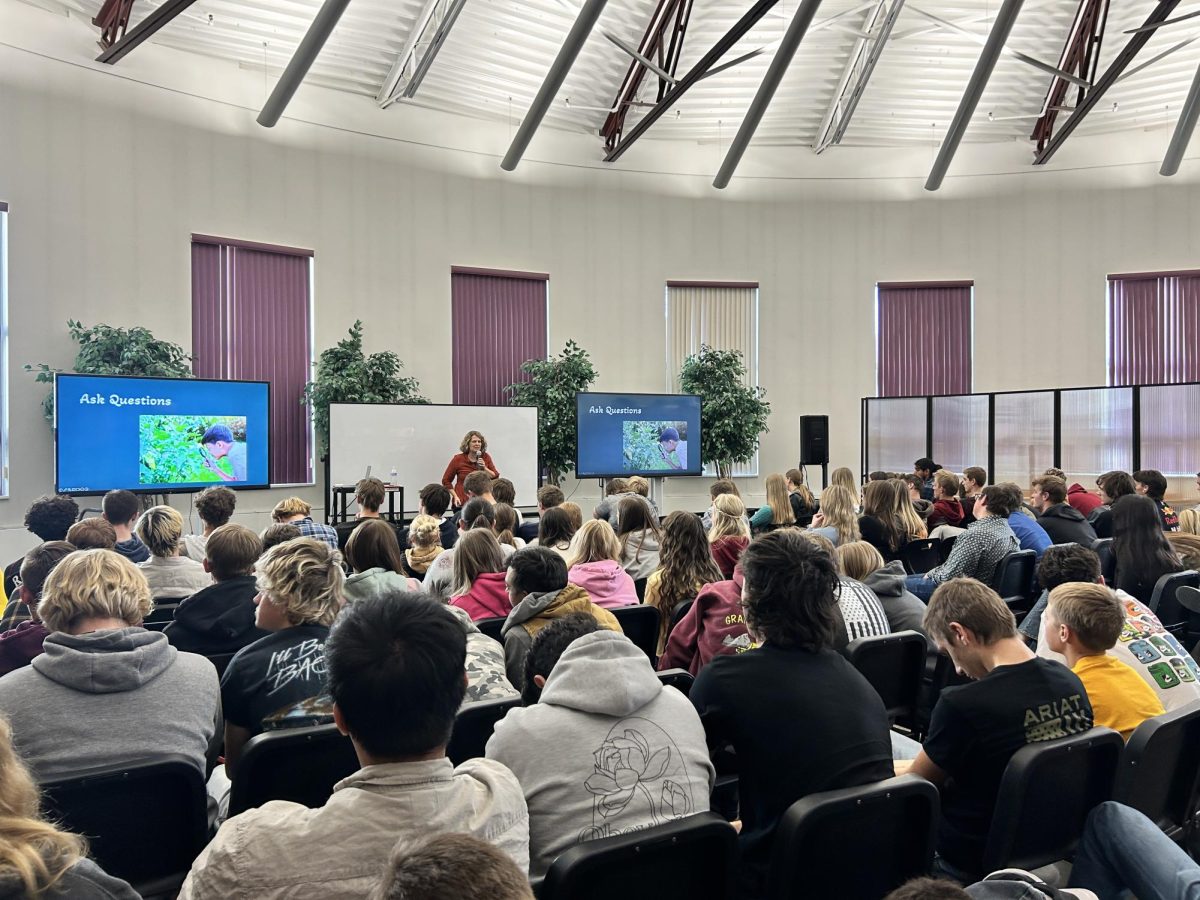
636, 778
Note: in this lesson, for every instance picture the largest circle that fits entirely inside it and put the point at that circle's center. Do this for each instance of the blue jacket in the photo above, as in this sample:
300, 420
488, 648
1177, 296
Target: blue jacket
1031, 535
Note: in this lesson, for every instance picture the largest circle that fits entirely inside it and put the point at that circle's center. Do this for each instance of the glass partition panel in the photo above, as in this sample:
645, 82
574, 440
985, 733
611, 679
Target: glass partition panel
1024, 437
1170, 423
960, 431
1096, 433
895, 433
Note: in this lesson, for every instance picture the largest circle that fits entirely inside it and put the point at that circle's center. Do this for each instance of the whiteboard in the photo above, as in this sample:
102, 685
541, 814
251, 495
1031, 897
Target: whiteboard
419, 439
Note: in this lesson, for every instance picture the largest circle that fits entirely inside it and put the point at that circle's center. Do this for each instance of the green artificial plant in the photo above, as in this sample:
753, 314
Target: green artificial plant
105, 350
552, 386
346, 375
733, 414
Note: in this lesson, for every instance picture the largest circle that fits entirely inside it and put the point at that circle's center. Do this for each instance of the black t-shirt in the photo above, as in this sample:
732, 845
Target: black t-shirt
799, 723
274, 674
975, 730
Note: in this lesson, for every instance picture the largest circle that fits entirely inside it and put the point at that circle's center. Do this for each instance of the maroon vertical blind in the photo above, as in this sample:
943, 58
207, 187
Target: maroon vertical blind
1154, 328
250, 321
924, 338
498, 321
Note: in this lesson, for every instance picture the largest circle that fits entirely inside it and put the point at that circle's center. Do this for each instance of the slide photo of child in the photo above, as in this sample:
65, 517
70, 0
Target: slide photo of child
191, 449
653, 446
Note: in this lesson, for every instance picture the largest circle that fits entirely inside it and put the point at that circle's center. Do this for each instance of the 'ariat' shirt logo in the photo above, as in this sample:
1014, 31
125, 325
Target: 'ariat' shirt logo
1056, 719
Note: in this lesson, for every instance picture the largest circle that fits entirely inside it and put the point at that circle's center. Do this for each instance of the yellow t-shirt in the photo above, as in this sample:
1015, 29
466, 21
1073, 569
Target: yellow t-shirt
1121, 700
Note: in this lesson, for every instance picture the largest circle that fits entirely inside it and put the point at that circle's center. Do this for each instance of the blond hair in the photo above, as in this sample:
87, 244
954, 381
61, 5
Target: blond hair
289, 507
425, 531
838, 508
638, 485
844, 477
1187, 546
304, 578
914, 525
858, 559
35, 851
1189, 521
1092, 612
728, 518
778, 500
161, 529
100, 584
595, 542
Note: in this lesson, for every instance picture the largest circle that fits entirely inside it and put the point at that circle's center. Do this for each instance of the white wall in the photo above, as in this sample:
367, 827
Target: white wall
104, 197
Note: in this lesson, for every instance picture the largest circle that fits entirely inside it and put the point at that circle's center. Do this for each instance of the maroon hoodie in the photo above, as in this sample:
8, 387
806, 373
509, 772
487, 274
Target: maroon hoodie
20, 645
1083, 501
946, 512
727, 551
714, 626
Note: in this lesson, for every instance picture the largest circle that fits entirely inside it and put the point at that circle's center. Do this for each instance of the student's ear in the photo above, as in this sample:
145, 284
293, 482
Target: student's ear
539, 681
961, 635
207, 567
339, 720
28, 597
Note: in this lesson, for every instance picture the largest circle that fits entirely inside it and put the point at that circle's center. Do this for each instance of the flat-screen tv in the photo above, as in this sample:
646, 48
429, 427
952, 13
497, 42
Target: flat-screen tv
618, 435
159, 435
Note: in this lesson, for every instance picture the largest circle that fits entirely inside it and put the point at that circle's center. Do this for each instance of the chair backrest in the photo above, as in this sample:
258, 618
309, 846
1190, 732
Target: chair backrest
694, 858
639, 585
163, 613
1014, 576
944, 548
1102, 547
220, 662
297, 764
491, 627
1160, 768
680, 611
1164, 602
145, 822
1046, 793
894, 664
1189, 598
680, 679
920, 556
473, 726
856, 843
640, 624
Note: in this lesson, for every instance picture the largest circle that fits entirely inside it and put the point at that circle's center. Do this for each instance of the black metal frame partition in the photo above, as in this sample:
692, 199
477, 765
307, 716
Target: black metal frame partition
1125, 400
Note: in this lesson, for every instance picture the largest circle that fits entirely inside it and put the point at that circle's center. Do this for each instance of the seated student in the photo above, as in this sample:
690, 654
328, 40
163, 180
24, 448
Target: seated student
506, 492
477, 513
478, 484
713, 626
121, 510
639, 537
170, 575
799, 717
686, 566
1015, 699
369, 495
396, 680
715, 490
595, 566
556, 531
124, 692
49, 518
729, 534
376, 562
1030, 535
592, 694
215, 506
19, 645
1140, 548
278, 534
435, 500
424, 545
439, 866
924, 468
881, 524
486, 677
220, 618
1061, 521
946, 508
1077, 496
916, 486
978, 550
1113, 486
804, 506
505, 526
37, 860
861, 562
1083, 622
300, 591
479, 573
574, 514
549, 496
92, 534
1122, 853
778, 508
618, 490
1187, 546
838, 519
973, 481
294, 511
540, 593
860, 613
1189, 522
913, 526
1153, 484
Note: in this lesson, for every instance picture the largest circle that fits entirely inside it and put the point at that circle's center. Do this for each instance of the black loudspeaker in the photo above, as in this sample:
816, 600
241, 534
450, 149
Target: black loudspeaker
814, 440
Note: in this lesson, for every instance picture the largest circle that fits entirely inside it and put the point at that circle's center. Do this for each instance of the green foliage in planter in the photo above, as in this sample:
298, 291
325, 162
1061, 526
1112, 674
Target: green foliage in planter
552, 386
734, 416
105, 350
346, 375
169, 449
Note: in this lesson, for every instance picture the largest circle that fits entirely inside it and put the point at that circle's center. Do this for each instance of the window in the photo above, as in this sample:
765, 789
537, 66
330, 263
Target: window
3, 349
252, 320
1153, 328
498, 321
923, 338
723, 315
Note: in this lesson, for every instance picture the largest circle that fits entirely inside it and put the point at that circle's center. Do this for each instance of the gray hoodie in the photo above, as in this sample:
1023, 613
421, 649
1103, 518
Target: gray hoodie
110, 697
904, 610
83, 881
640, 558
378, 582
607, 750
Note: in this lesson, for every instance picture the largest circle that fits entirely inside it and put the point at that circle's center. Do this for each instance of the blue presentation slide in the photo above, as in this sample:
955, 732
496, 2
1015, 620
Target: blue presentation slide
159, 434
637, 434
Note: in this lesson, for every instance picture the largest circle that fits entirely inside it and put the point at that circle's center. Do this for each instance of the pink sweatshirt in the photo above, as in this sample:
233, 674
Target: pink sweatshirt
606, 582
487, 598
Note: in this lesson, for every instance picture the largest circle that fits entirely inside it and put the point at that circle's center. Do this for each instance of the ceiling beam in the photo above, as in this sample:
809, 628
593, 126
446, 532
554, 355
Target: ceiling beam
419, 51
1080, 52
803, 17
1159, 14
567, 54
1183, 129
306, 53
1006, 17
697, 72
144, 30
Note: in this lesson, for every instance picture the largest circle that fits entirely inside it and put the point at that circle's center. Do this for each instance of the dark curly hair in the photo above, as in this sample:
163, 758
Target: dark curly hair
1066, 563
791, 589
215, 505
50, 517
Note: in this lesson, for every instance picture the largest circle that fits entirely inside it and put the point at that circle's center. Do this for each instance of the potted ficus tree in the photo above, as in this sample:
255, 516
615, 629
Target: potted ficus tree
733, 414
